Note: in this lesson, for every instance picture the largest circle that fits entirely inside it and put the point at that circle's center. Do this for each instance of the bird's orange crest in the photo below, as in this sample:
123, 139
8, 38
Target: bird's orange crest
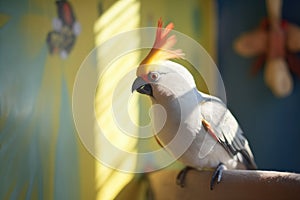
162, 48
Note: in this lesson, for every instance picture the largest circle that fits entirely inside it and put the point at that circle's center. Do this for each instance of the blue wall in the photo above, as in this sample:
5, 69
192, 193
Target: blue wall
271, 125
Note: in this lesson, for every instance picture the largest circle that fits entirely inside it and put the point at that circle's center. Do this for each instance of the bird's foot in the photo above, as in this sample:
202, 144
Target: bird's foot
181, 176
217, 175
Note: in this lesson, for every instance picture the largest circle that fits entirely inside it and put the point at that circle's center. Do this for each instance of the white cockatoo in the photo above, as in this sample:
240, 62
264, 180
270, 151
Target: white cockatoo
198, 128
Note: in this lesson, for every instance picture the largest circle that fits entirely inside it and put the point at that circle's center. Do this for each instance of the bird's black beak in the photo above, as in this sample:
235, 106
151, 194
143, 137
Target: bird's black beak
142, 87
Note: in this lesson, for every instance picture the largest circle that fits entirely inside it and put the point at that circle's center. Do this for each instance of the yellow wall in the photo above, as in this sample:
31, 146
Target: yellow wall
193, 18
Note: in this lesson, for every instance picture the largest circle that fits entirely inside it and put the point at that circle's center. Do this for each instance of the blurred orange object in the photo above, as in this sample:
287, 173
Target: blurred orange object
276, 42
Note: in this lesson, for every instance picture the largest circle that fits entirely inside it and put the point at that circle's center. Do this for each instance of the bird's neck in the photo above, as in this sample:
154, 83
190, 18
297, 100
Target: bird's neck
181, 106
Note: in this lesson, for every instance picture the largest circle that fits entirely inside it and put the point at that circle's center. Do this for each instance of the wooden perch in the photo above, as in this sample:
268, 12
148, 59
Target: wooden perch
235, 184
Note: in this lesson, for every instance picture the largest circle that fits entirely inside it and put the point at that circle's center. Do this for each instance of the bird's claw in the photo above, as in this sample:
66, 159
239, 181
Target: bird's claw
181, 176
217, 175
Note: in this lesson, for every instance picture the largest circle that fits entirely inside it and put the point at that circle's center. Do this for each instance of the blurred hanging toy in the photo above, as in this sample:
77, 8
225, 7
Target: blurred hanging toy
65, 29
276, 42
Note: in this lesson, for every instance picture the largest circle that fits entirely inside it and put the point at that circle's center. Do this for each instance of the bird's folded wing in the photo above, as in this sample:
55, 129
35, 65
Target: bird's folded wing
227, 130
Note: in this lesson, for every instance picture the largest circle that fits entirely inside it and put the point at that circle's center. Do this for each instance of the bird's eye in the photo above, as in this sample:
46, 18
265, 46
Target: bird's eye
153, 76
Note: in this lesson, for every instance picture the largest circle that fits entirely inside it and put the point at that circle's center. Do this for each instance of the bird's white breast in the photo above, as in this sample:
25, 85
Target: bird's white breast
184, 137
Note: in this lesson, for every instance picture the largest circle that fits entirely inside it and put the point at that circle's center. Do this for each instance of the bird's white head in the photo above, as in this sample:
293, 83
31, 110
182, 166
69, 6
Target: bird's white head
166, 80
